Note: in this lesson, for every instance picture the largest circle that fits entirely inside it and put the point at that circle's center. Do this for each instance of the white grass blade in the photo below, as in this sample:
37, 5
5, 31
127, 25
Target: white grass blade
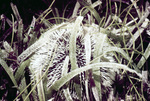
65, 66
72, 42
76, 8
40, 88
67, 94
64, 72
116, 49
100, 41
59, 83
138, 33
87, 42
145, 57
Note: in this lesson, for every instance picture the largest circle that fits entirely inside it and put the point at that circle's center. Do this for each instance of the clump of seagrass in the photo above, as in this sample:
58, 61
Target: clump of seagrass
67, 50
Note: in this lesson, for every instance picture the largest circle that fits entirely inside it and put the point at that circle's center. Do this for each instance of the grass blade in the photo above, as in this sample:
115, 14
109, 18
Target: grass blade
8, 71
59, 83
72, 43
144, 58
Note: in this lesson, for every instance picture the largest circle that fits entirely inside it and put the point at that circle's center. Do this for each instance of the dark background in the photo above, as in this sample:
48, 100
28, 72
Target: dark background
28, 8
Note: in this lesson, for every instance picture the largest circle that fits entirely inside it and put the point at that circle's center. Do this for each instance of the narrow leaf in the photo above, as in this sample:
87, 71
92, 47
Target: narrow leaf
8, 71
